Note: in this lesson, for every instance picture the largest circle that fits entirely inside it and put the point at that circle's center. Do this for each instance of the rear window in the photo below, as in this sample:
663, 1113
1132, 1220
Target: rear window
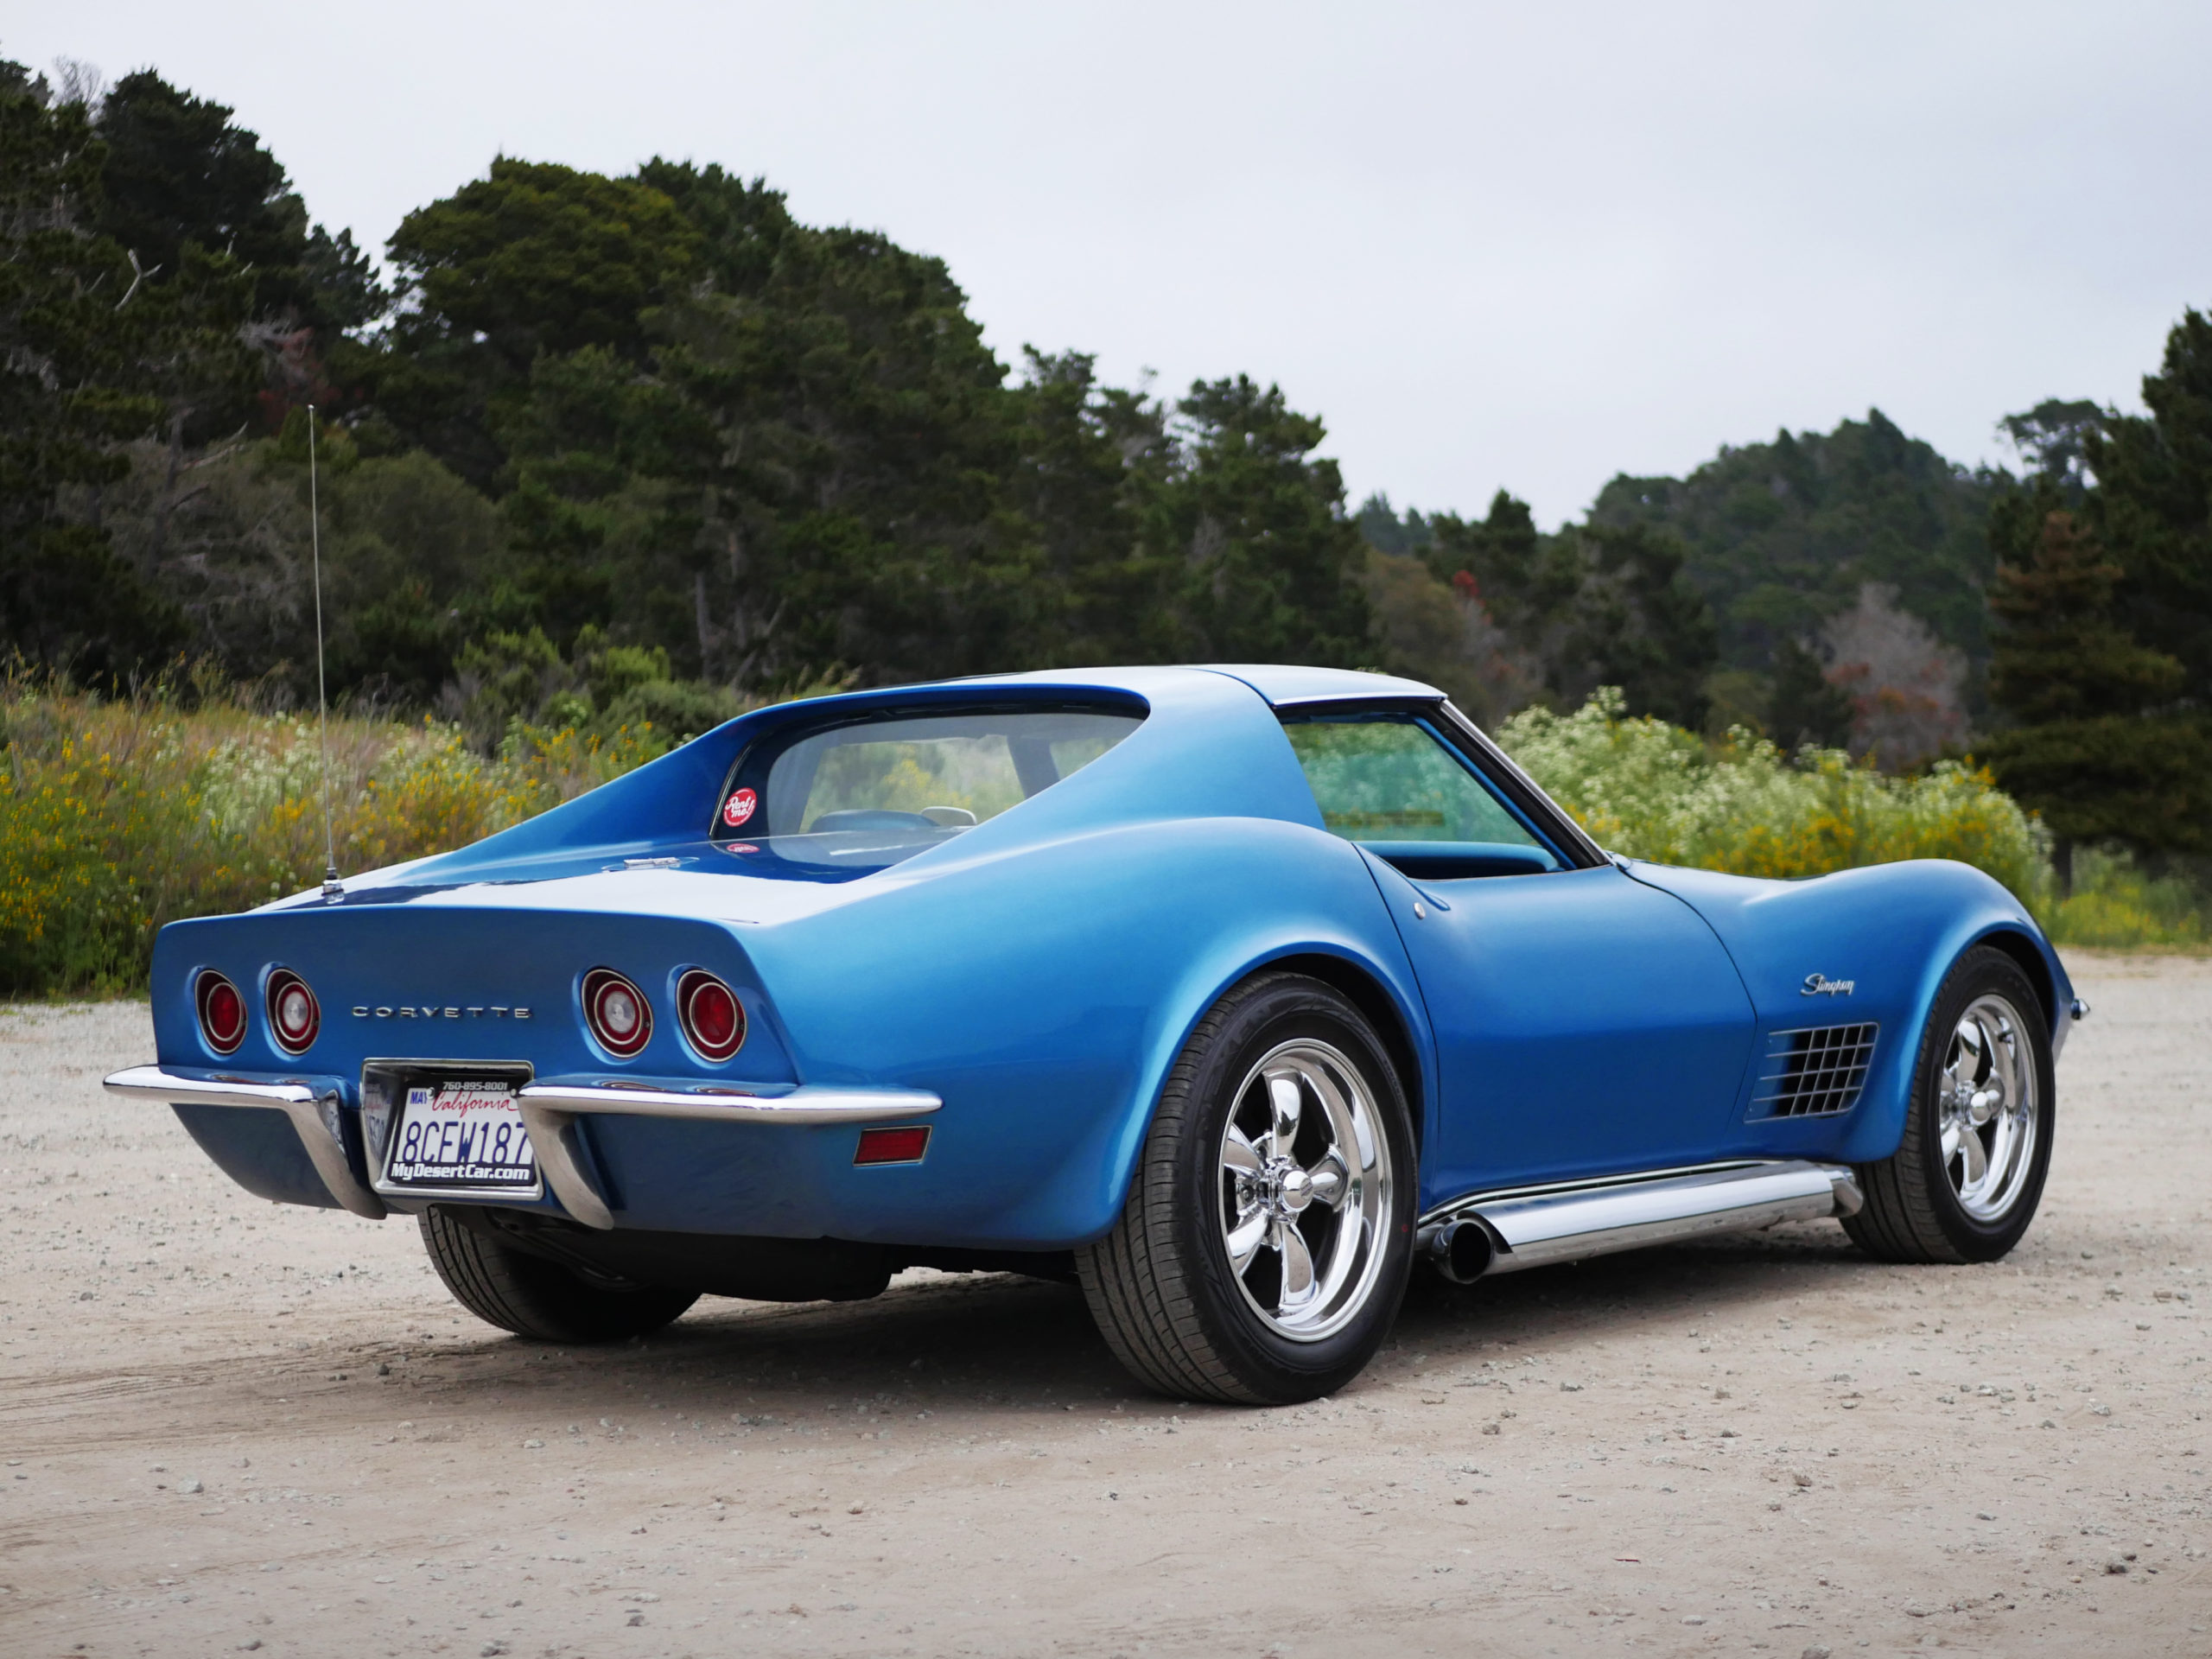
867, 794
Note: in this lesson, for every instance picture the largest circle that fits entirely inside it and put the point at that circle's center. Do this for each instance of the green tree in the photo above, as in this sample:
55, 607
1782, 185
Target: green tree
179, 172
1091, 458
533, 257
1270, 564
2063, 655
2106, 593
2151, 507
1781, 536
91, 355
1598, 604
1636, 623
1803, 706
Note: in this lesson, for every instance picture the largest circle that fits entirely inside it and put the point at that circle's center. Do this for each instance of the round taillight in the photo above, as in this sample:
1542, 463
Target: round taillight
616, 1012
222, 1012
294, 1014
714, 1021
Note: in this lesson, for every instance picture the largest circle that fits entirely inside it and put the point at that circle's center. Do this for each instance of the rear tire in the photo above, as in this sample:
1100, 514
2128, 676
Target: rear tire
1966, 1176
533, 1297
1267, 1235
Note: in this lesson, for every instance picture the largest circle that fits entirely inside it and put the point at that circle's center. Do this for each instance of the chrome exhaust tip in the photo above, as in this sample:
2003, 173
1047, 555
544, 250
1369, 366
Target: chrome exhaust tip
1461, 1250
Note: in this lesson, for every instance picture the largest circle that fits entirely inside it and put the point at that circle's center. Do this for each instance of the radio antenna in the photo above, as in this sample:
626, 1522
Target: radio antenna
332, 888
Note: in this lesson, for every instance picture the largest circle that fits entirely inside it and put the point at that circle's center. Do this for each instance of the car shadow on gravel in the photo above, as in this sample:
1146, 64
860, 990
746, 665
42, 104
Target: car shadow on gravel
994, 1345
1003, 1345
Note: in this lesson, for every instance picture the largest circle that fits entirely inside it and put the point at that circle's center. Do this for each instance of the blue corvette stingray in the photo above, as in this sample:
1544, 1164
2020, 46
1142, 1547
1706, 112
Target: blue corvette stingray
1231, 993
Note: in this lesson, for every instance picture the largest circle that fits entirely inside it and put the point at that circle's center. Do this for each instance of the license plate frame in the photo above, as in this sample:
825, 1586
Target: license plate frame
393, 1090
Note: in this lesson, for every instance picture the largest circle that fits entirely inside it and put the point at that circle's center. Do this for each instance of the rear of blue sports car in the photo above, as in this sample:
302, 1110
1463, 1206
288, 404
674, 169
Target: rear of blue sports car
697, 1034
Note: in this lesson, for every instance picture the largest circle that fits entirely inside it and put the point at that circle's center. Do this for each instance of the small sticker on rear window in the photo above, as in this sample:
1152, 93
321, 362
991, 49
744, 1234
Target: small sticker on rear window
739, 807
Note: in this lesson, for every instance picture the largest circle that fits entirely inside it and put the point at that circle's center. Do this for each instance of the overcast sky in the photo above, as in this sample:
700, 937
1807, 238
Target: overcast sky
1528, 246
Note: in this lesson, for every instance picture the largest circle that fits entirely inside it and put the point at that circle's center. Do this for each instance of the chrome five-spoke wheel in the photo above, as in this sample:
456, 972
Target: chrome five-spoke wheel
1268, 1235
1304, 1184
1974, 1147
1986, 1105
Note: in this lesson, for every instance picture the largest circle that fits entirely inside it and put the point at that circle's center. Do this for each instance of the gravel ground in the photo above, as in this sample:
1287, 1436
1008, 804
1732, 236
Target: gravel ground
229, 1426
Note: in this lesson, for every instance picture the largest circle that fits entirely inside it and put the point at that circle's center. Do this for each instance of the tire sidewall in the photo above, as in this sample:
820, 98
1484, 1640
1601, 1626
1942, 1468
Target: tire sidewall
1979, 972
1272, 1366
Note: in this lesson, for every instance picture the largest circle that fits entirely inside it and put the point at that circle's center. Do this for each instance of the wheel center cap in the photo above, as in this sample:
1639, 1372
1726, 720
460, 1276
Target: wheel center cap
1296, 1188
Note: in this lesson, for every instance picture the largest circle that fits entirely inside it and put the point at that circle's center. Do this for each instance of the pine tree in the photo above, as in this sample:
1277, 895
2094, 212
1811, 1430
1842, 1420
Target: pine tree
1805, 708
2063, 655
2100, 752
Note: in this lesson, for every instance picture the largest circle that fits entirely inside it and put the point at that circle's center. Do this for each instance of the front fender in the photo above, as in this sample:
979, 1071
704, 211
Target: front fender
1894, 932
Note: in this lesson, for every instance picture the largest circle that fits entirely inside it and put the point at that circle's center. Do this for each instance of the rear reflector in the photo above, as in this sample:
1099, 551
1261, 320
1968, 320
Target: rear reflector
893, 1146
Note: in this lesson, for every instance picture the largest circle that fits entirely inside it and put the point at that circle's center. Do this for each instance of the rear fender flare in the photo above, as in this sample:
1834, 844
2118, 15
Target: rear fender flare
1384, 991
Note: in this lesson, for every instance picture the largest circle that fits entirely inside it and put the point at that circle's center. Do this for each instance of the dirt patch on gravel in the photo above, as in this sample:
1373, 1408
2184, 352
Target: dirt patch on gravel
229, 1426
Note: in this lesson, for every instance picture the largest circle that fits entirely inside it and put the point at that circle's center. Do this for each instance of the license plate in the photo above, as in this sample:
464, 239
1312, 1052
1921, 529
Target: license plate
464, 1134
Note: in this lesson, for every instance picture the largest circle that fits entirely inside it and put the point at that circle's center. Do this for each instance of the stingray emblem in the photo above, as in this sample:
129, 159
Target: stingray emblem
1821, 985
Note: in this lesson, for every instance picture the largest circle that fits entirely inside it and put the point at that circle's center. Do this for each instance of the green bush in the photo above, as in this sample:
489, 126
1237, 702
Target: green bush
2116, 904
116, 817
1653, 790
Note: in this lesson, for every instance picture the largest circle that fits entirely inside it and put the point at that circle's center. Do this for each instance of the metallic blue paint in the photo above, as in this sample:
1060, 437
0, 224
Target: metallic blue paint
1894, 929
1041, 971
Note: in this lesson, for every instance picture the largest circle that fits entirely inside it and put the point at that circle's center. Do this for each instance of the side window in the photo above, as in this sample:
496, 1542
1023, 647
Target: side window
1386, 780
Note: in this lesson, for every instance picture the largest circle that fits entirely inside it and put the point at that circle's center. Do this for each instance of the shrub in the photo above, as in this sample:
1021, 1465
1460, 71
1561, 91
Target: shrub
116, 817
1653, 790
2116, 904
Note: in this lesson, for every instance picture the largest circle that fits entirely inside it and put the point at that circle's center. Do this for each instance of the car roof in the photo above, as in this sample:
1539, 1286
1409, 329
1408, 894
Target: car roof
1283, 685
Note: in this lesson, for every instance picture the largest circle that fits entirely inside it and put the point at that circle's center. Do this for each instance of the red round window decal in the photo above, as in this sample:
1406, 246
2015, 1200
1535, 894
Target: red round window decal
739, 807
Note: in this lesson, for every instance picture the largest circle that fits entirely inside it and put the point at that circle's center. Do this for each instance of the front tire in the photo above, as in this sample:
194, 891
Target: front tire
534, 1297
1266, 1243
1966, 1179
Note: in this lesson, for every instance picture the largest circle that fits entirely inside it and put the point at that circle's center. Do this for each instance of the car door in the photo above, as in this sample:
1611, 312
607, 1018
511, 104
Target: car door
1586, 1024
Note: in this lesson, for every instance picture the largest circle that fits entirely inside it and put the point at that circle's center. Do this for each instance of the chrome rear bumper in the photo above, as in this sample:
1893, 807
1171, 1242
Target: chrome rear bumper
312, 1103
549, 1110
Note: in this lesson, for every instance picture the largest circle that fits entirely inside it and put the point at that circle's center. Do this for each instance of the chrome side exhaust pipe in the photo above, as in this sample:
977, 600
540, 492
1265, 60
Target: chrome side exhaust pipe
1529, 1227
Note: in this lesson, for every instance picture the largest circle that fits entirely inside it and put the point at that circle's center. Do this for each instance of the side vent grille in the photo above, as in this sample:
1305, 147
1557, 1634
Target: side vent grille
1815, 1073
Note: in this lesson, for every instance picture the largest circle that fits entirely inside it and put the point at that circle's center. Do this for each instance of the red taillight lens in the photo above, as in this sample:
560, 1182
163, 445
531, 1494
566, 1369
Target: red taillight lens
714, 1021
294, 1014
616, 1012
893, 1146
222, 1012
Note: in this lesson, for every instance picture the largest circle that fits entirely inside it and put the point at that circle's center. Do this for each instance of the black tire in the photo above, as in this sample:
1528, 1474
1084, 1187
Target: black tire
1161, 1286
1914, 1209
533, 1297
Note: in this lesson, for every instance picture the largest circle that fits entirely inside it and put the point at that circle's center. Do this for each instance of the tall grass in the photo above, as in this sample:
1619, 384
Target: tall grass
118, 816
2119, 905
